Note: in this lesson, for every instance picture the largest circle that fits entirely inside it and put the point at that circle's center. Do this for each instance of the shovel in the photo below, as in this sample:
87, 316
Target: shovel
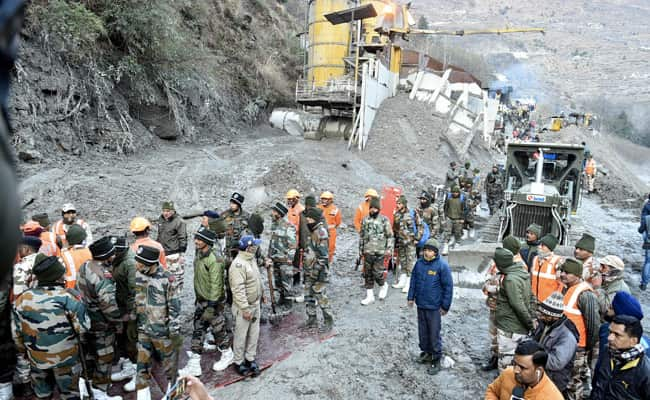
275, 317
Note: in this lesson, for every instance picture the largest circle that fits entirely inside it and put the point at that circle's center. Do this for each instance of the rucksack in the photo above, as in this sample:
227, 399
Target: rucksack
425, 230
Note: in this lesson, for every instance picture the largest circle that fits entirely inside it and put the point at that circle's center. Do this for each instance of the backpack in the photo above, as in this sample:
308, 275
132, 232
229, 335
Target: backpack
426, 233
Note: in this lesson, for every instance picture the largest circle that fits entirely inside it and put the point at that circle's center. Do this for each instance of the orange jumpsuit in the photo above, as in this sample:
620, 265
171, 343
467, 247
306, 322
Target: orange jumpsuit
332, 216
362, 212
147, 241
73, 258
293, 215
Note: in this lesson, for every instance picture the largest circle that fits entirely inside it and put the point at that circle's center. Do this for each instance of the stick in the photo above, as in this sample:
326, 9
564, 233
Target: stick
84, 370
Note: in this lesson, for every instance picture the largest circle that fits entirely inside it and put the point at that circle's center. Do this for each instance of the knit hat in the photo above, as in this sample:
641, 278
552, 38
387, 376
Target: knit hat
237, 198
248, 240
511, 243
47, 269
43, 219
572, 266
402, 200
553, 306
31, 241
280, 208
549, 241
503, 257
102, 249
431, 244
206, 236
310, 201
168, 205
536, 229
75, 234
455, 189
467, 164
613, 261
425, 195
119, 242
313, 213
375, 203
626, 304
587, 242
147, 255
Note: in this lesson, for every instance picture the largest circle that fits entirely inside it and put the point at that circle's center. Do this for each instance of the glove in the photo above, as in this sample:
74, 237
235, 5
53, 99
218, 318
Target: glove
211, 214
177, 341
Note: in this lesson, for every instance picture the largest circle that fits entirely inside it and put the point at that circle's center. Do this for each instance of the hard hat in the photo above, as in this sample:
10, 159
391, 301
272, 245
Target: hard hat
292, 194
67, 207
139, 224
371, 193
32, 228
327, 195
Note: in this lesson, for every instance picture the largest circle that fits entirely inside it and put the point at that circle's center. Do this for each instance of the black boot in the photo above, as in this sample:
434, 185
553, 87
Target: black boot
425, 358
311, 322
243, 369
490, 365
254, 368
435, 367
328, 322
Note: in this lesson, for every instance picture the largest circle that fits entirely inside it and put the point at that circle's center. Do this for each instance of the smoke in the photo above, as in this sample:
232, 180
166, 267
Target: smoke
523, 80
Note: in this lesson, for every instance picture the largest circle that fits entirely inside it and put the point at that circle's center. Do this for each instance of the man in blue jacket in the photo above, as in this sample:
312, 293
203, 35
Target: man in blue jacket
431, 288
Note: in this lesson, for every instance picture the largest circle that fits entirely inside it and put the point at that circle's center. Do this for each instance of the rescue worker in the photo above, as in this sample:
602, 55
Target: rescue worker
494, 190
529, 249
452, 177
47, 236
455, 209
172, 235
97, 288
127, 336
431, 214
60, 228
590, 173
141, 228
23, 272
74, 254
38, 313
282, 249
247, 292
294, 207
584, 252
375, 247
544, 271
209, 304
612, 269
465, 174
49, 248
332, 216
404, 231
473, 203
581, 307
158, 319
364, 208
316, 270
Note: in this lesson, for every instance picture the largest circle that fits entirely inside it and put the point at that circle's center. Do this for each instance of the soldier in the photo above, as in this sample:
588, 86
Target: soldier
302, 235
476, 179
96, 285
69, 217
375, 245
127, 336
473, 202
431, 213
282, 249
236, 220
584, 252
47, 320
332, 216
531, 247
404, 231
158, 319
172, 235
247, 290
316, 269
494, 189
23, 276
455, 211
364, 208
452, 175
465, 174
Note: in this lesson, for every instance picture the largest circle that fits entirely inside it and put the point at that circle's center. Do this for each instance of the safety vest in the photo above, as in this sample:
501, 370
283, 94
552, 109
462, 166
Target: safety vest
590, 167
572, 311
362, 212
293, 215
162, 259
48, 244
544, 277
60, 229
332, 216
73, 259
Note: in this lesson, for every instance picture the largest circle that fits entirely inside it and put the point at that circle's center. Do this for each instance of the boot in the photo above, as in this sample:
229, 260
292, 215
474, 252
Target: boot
311, 321
242, 369
127, 371
299, 298
328, 322
225, 360
434, 368
452, 241
383, 291
425, 358
492, 364
472, 233
464, 235
401, 283
370, 297
23, 390
407, 285
103, 395
130, 385
193, 367
144, 394
208, 342
254, 368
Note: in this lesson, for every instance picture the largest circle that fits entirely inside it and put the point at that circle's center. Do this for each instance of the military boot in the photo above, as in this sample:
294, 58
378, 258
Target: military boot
435, 367
425, 358
328, 322
311, 322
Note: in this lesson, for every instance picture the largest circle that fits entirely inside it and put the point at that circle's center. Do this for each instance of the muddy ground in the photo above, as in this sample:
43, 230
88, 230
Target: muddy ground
372, 354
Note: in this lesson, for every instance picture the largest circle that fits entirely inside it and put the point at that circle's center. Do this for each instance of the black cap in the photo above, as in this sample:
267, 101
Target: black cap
237, 198
119, 242
206, 236
102, 249
31, 241
280, 208
147, 255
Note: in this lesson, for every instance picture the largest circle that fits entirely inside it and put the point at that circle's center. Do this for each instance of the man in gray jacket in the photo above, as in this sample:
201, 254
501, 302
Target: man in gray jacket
559, 337
172, 235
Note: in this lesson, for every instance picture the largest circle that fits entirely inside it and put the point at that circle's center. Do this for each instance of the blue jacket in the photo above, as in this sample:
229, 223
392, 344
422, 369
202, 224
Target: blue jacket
431, 284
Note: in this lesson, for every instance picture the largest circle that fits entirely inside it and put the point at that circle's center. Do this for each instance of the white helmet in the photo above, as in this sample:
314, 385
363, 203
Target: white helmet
67, 207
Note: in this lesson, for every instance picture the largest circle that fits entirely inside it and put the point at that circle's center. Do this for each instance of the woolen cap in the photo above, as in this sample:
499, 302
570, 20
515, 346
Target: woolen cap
572, 266
31, 241
511, 243
503, 257
536, 229
206, 236
549, 241
313, 213
375, 203
613, 261
553, 306
431, 244
310, 201
587, 242
43, 219
624, 303
75, 234
168, 205
280, 208
147, 255
102, 249
47, 269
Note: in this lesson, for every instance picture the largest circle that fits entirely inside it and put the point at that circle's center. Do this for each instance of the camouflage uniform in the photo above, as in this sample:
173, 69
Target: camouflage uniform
434, 216
493, 191
158, 316
97, 288
282, 249
124, 277
23, 276
455, 211
316, 269
42, 332
405, 240
376, 239
473, 201
236, 225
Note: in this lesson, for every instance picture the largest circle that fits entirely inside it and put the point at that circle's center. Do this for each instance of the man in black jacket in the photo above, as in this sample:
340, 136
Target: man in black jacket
624, 372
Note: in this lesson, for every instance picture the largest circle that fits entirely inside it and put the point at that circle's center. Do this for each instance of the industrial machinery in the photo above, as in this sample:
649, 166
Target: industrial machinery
543, 183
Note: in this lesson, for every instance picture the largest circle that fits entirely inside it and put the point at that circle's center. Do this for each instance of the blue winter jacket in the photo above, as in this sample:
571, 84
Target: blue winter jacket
431, 284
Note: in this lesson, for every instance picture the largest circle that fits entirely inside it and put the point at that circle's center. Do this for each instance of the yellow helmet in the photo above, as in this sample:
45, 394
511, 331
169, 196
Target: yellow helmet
371, 193
292, 194
327, 195
139, 224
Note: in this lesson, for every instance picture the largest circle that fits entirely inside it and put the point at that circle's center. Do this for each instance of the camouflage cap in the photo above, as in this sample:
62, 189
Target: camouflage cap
402, 200
168, 205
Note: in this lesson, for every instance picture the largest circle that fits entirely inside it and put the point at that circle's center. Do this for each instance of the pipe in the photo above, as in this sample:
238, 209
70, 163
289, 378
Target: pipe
540, 166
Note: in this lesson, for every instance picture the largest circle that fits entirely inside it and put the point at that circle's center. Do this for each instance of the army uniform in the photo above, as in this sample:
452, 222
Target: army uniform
124, 277
158, 317
404, 232
494, 191
455, 212
23, 278
316, 270
236, 226
434, 216
376, 239
452, 177
282, 249
473, 201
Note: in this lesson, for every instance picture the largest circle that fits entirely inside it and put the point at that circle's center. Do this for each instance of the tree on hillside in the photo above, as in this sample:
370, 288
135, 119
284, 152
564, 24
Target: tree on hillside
423, 23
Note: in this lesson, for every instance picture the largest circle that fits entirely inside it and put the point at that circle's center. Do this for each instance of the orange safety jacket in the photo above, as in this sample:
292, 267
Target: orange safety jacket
73, 258
59, 229
362, 212
293, 215
147, 241
543, 275
590, 167
572, 311
48, 244
332, 216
